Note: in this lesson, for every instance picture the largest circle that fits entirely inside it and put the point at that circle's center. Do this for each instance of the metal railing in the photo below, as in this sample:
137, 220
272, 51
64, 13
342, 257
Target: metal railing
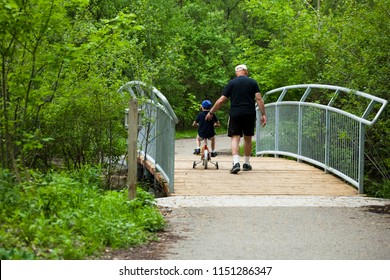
320, 124
156, 133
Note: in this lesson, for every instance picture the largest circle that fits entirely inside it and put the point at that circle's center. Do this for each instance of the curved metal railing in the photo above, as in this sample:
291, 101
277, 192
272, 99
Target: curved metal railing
156, 130
320, 124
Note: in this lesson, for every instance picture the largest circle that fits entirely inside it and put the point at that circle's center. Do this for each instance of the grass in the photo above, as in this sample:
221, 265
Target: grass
191, 133
69, 216
186, 134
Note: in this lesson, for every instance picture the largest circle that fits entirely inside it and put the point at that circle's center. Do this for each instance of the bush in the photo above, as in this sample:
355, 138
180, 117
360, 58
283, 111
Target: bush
68, 216
378, 189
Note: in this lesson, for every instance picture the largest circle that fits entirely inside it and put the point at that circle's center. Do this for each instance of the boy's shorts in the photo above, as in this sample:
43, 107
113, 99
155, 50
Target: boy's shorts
201, 138
242, 125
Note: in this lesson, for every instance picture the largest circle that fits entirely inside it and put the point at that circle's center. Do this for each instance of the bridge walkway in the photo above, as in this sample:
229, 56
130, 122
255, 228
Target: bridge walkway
270, 176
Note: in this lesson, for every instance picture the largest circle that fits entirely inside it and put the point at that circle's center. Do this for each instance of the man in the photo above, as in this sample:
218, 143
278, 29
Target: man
243, 92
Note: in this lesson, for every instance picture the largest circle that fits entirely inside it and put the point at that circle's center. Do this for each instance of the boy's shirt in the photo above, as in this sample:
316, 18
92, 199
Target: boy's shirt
206, 128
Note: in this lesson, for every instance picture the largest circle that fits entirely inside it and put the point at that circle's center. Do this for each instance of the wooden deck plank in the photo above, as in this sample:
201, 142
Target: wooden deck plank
270, 176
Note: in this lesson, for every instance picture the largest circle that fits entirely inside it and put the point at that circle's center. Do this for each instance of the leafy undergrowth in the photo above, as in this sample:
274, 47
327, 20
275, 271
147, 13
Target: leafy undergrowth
379, 189
69, 216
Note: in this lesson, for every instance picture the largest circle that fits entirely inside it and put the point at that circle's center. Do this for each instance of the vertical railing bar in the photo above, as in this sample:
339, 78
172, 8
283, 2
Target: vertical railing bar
276, 130
361, 158
368, 109
337, 142
342, 144
334, 97
340, 140
305, 95
299, 132
353, 159
345, 146
327, 139
281, 96
357, 135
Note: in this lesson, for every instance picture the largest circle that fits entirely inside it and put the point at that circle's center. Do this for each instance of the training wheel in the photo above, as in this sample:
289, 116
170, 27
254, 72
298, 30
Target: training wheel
194, 164
216, 165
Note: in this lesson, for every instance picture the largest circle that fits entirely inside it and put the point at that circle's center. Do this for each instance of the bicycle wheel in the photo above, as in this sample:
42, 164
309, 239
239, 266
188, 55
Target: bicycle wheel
205, 158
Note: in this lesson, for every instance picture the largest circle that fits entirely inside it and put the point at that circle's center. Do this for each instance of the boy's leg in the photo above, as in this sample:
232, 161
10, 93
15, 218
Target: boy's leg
198, 139
212, 140
197, 149
213, 152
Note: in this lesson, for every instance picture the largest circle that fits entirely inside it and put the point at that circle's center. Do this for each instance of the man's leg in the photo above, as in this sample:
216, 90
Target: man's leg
235, 153
235, 145
247, 146
247, 153
234, 132
249, 131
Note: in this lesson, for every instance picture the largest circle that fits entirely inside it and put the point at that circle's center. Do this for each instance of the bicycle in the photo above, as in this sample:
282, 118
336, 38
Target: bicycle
205, 156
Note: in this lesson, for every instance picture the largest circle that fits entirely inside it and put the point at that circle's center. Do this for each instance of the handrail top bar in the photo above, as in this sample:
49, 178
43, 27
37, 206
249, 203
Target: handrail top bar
352, 116
163, 101
284, 90
332, 87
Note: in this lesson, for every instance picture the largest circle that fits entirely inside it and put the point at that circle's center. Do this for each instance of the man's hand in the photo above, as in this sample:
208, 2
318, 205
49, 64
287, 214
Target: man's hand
208, 117
263, 120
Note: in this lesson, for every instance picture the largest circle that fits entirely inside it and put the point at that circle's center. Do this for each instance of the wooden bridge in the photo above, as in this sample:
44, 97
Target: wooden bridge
270, 176
322, 134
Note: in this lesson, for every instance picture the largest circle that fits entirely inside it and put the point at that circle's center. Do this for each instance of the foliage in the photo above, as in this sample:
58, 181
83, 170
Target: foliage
62, 63
183, 134
343, 43
381, 190
68, 216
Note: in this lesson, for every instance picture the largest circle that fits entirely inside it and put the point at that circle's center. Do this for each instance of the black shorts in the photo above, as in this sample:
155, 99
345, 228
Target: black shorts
242, 125
202, 137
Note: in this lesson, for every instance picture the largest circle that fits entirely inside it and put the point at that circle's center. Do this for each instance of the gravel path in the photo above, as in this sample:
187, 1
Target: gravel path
277, 228
269, 201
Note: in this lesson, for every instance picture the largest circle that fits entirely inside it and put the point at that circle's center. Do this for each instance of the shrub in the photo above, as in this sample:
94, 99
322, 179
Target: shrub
68, 216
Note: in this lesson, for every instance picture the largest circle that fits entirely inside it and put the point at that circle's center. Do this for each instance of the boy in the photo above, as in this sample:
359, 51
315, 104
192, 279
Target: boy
205, 128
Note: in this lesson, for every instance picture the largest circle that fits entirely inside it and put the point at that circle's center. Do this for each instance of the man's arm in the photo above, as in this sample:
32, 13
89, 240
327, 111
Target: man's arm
216, 106
260, 104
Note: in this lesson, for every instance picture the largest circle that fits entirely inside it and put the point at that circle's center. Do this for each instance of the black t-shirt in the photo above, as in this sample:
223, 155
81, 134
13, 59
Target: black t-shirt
241, 91
206, 128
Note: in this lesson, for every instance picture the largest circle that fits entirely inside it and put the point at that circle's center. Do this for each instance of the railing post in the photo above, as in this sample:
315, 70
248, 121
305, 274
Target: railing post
299, 133
327, 141
361, 158
276, 130
132, 148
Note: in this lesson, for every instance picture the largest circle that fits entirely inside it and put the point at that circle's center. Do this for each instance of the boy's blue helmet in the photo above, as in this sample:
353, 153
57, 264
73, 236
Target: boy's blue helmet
207, 104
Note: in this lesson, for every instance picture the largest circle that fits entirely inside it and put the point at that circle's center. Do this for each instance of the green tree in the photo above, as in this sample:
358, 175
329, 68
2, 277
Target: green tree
60, 73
